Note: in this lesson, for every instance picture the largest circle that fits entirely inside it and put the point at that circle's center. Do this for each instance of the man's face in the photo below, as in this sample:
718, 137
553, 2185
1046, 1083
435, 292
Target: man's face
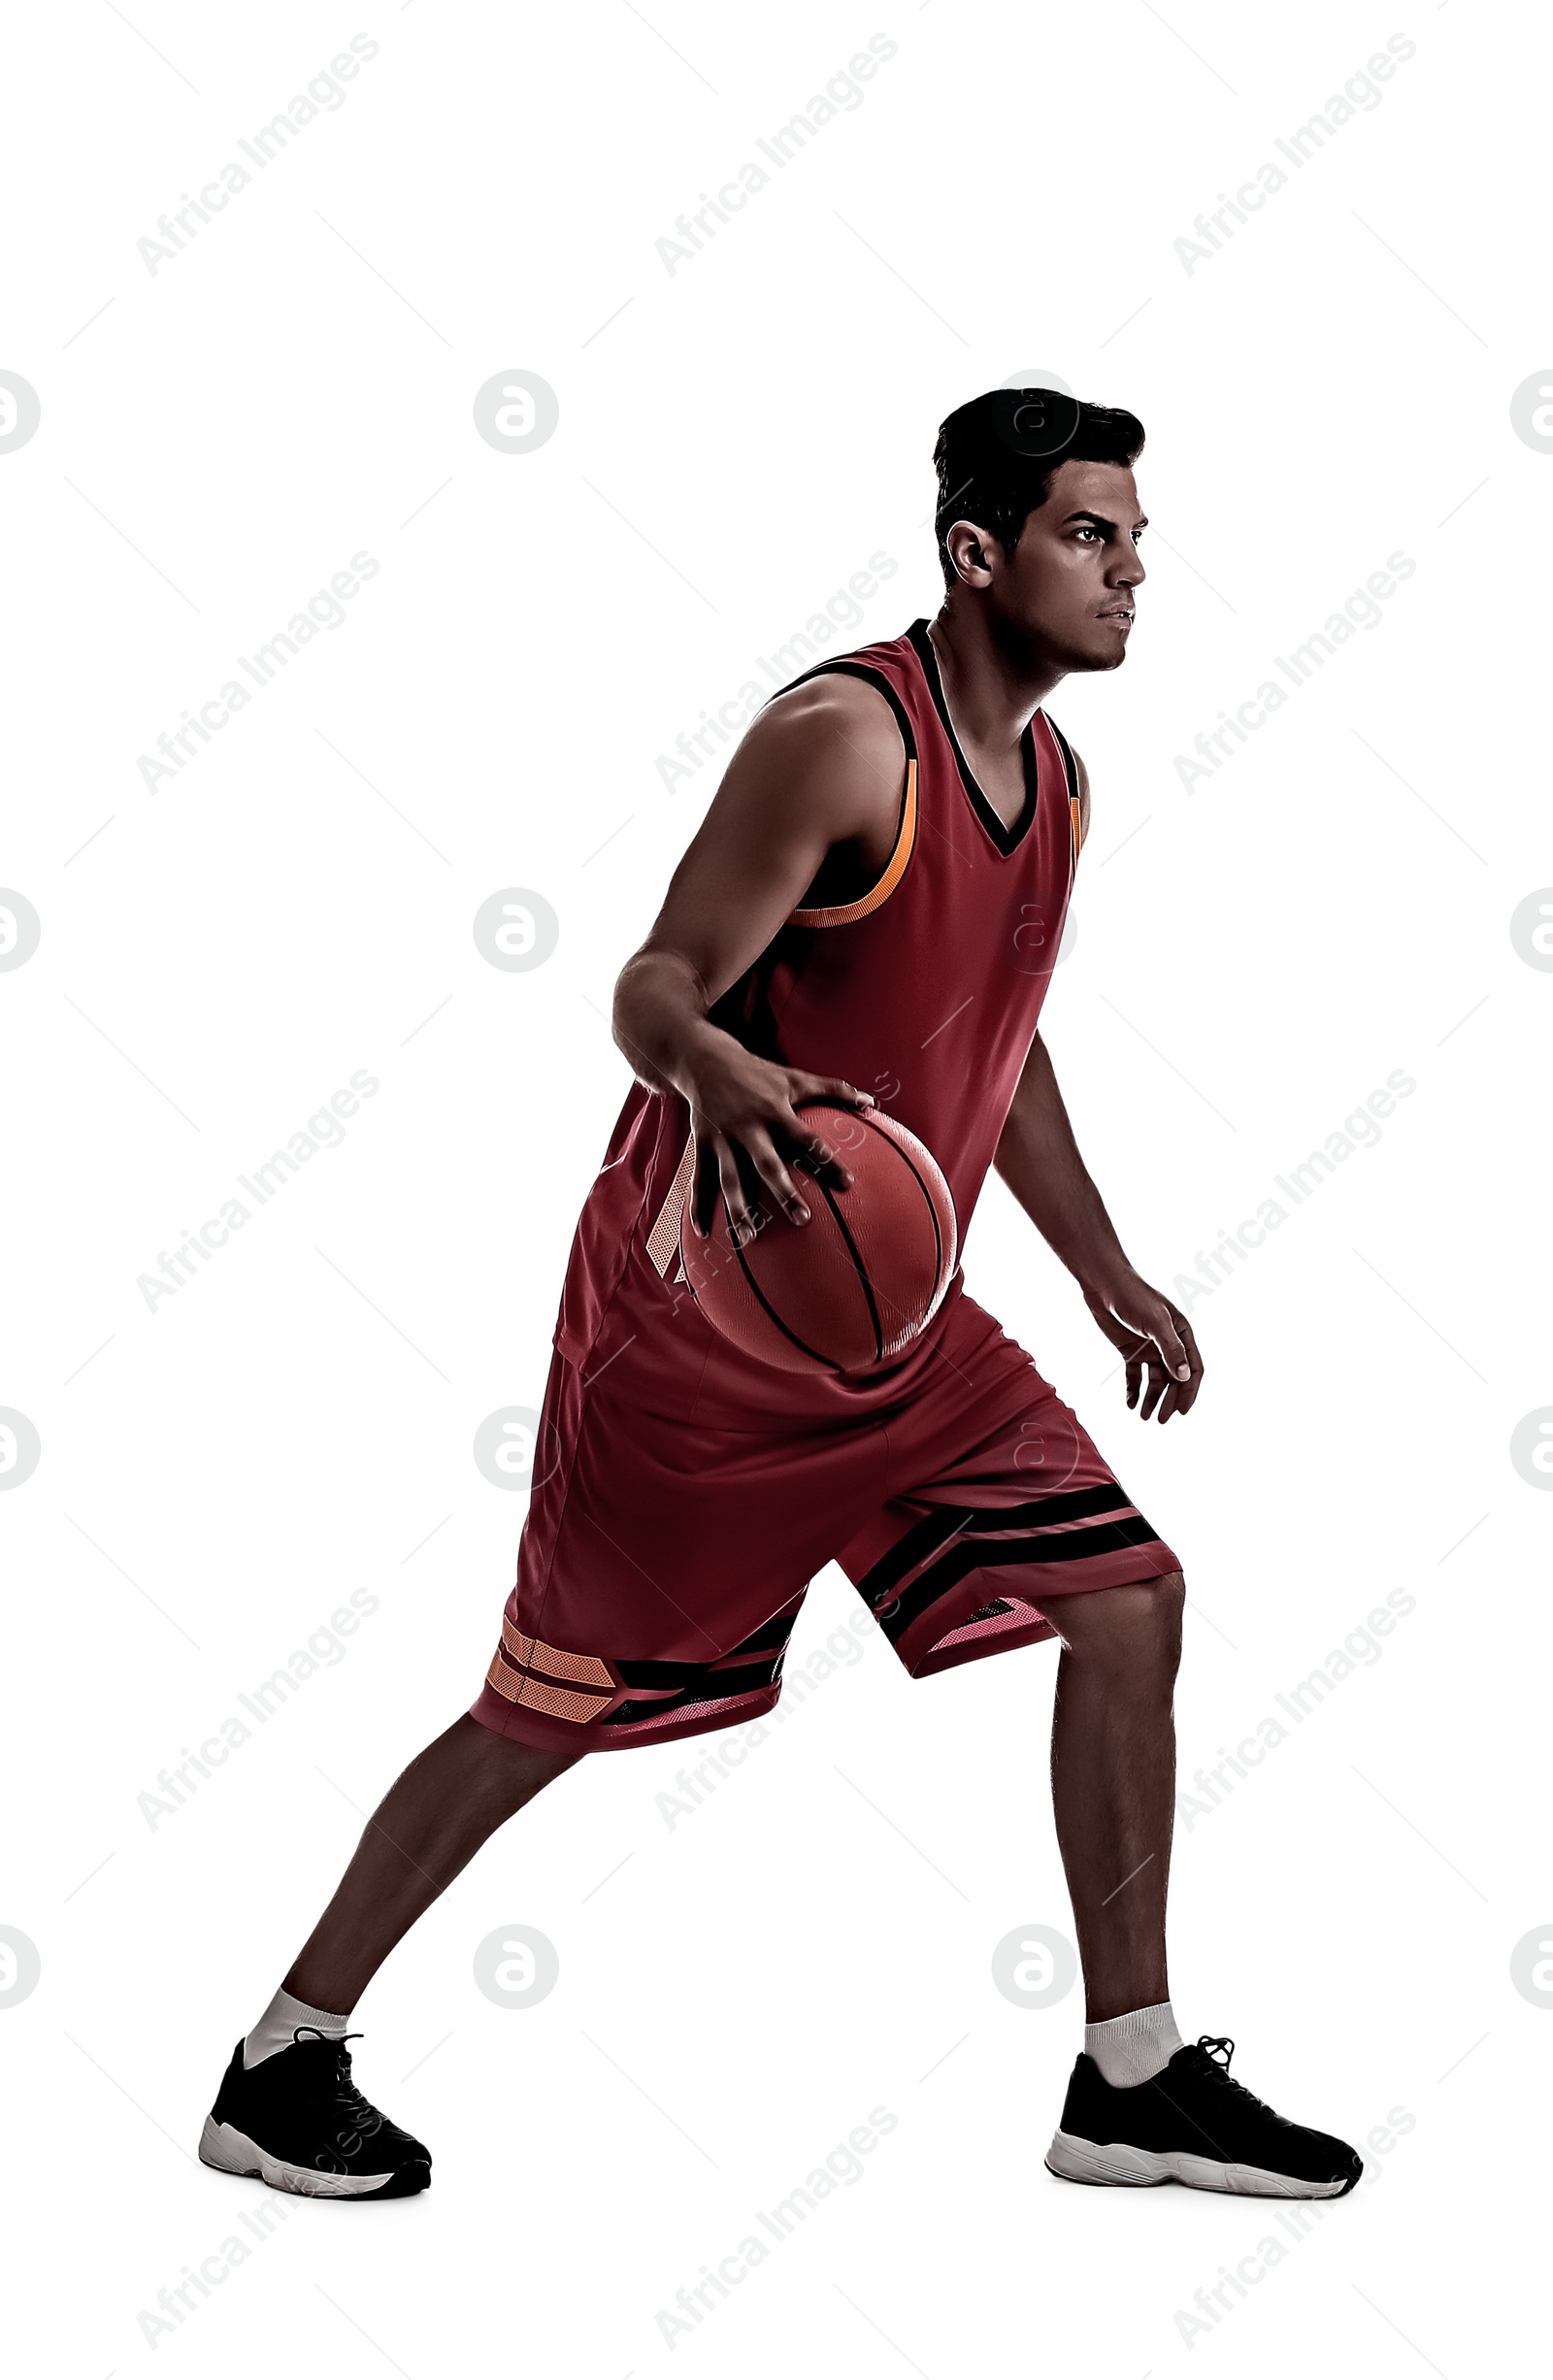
1066, 592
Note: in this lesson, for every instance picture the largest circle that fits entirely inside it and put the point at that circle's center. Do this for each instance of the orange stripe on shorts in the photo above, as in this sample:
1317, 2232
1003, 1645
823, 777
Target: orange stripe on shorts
535, 1654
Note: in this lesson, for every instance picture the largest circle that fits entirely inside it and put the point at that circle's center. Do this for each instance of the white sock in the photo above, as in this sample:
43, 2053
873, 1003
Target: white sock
280, 2020
1130, 2049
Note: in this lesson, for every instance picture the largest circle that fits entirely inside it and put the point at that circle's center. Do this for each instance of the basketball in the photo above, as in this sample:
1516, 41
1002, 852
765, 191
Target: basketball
850, 1289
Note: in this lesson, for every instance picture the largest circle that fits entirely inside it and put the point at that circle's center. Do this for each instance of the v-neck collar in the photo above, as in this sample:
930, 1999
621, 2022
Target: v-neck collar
1005, 838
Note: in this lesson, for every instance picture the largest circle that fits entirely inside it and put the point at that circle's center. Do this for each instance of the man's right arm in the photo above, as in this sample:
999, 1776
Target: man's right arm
820, 771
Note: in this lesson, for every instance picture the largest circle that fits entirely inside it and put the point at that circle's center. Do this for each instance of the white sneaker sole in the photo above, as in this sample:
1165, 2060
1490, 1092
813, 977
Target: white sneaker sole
229, 2150
1117, 2164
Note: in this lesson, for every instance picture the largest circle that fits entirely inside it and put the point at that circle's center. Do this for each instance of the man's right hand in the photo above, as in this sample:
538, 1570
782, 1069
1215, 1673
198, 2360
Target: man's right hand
748, 1133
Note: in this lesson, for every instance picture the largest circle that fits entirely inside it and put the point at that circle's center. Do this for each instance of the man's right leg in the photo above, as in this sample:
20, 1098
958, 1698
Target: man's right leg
428, 1826
288, 2109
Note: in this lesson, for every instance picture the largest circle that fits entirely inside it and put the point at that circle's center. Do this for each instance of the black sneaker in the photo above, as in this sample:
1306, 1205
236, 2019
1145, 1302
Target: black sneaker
1192, 2123
298, 2122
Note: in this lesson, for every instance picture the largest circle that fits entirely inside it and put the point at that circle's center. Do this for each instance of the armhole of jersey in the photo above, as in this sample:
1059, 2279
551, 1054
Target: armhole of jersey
896, 865
895, 868
1074, 806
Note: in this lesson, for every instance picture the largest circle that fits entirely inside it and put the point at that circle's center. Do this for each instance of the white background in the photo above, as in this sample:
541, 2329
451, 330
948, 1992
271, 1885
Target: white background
1252, 958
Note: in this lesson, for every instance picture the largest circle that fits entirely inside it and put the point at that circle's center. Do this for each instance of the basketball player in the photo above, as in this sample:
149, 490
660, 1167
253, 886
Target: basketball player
870, 913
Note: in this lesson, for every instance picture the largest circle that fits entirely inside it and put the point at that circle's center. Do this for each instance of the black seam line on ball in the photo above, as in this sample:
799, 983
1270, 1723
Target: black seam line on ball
767, 1309
932, 1213
858, 1268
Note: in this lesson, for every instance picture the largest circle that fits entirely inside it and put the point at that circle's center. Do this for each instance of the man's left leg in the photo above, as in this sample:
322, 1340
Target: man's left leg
1143, 2106
1015, 1529
1113, 1783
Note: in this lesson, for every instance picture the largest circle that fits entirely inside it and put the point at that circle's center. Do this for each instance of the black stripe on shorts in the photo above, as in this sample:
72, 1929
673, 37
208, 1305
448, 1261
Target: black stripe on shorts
1106, 1538
926, 1536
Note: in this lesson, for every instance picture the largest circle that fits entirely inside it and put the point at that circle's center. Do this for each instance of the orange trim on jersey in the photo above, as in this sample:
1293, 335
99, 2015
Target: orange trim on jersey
1075, 813
851, 911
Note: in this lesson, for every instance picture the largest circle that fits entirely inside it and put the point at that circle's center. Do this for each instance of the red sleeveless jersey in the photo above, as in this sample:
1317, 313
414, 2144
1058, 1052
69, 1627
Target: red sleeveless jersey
925, 991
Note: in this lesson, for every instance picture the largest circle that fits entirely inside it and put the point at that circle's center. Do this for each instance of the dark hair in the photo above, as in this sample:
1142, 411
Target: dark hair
995, 455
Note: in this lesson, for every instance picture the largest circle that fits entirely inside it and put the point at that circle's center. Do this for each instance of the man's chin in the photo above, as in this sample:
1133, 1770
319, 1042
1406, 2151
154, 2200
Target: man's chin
1106, 651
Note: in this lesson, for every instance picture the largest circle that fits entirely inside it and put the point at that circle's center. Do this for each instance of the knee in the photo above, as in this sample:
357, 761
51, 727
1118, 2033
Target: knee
1133, 1631
1167, 1595
507, 1770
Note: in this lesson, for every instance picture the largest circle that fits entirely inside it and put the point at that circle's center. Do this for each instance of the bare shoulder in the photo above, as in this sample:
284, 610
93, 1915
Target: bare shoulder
833, 739
828, 717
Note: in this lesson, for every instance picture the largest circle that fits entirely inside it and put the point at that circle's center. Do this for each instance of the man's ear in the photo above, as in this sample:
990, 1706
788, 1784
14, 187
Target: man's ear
968, 549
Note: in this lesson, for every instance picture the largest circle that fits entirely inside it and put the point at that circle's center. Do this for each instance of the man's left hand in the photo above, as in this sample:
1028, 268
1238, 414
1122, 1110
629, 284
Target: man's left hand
1156, 1340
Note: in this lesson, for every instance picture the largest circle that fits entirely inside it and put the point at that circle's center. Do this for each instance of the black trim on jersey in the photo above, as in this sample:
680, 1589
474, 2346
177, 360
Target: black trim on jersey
1007, 839
744, 1009
871, 677
1068, 761
881, 685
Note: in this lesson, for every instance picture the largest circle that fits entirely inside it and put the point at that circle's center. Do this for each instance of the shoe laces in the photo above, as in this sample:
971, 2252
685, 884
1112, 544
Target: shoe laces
1217, 2066
359, 2109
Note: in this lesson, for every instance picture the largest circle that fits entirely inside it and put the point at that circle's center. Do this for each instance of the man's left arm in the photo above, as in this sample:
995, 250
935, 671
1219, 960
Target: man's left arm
1038, 1159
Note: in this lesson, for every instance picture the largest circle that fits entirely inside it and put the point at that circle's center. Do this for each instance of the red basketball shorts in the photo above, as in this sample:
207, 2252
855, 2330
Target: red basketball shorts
662, 1564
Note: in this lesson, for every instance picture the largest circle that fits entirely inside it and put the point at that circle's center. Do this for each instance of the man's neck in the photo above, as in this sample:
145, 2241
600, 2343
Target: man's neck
992, 693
